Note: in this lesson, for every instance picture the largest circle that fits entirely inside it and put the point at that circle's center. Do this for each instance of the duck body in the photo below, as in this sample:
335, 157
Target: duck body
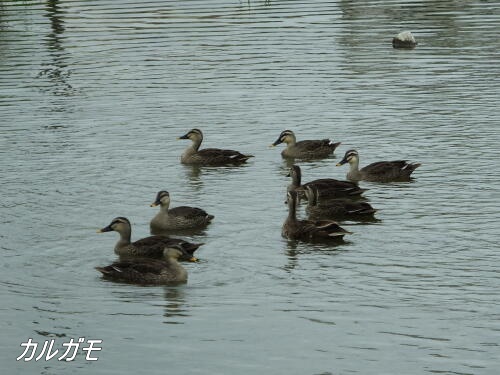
336, 209
178, 218
306, 149
148, 271
148, 247
382, 171
309, 230
209, 156
327, 188
404, 39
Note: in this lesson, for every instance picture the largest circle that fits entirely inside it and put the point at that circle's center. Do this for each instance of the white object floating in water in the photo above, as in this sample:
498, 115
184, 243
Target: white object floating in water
404, 39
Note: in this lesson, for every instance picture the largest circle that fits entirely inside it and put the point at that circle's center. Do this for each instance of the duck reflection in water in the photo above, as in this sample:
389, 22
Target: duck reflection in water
175, 305
294, 249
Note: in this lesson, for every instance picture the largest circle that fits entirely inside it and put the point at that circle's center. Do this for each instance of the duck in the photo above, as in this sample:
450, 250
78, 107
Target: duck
209, 156
381, 171
307, 149
328, 188
177, 218
404, 39
308, 230
336, 209
148, 247
147, 271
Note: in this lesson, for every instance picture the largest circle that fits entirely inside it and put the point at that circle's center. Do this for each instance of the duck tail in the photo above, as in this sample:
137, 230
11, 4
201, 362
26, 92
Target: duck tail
109, 270
410, 167
334, 145
363, 211
104, 270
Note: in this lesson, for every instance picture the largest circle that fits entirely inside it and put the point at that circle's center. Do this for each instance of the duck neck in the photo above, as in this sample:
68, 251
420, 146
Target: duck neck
176, 267
196, 144
164, 207
124, 240
192, 149
290, 141
292, 210
296, 180
354, 166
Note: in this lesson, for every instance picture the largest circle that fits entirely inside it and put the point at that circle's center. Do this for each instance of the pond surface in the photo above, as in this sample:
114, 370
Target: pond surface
93, 95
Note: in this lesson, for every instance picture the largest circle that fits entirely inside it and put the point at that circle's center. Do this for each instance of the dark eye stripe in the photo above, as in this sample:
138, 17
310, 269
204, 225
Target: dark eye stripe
119, 220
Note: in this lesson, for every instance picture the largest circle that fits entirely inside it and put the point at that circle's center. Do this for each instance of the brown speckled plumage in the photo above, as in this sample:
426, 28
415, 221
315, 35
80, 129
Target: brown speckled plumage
148, 271
209, 156
306, 149
336, 209
382, 171
177, 218
149, 247
328, 188
308, 230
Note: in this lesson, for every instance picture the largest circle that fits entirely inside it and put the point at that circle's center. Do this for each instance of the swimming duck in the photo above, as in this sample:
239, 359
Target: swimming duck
306, 229
328, 188
177, 218
308, 149
404, 39
382, 171
209, 156
149, 271
150, 247
336, 209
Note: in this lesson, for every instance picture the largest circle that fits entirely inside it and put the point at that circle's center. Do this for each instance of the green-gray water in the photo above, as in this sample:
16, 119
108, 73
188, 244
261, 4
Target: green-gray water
93, 95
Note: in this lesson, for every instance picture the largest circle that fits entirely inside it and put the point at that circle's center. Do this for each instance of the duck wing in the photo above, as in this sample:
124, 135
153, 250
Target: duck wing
322, 229
153, 246
331, 188
189, 212
220, 156
133, 271
334, 183
390, 169
383, 166
330, 227
359, 208
313, 145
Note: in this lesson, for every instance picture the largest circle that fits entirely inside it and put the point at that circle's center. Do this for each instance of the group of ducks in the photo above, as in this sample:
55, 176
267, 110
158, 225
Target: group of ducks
155, 259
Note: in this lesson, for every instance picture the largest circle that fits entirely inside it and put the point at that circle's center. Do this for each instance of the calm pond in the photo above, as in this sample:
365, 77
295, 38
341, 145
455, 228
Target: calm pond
93, 95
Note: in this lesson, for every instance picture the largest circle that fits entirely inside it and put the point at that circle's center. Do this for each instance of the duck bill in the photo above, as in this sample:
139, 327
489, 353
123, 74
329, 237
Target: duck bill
185, 136
154, 204
342, 162
105, 229
276, 142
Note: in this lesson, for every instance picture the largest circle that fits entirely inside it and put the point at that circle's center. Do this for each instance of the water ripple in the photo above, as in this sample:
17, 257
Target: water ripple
93, 97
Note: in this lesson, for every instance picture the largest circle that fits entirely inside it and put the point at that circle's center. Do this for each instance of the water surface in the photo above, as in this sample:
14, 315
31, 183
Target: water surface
92, 98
